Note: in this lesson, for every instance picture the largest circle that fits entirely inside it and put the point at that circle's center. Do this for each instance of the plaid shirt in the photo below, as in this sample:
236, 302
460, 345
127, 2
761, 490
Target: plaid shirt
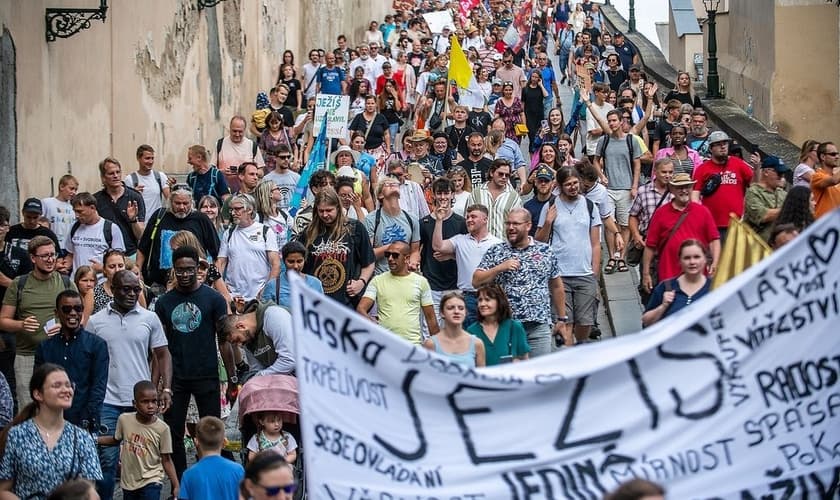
646, 203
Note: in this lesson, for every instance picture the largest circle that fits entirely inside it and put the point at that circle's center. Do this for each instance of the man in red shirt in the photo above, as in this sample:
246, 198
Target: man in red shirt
664, 236
721, 182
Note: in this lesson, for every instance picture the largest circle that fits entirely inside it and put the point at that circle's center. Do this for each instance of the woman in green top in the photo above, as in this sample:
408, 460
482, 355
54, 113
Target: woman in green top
504, 338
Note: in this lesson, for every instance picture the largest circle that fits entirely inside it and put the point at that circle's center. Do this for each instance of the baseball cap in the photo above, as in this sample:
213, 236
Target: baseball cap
544, 172
775, 163
497, 57
497, 81
681, 179
718, 136
33, 205
635, 67
617, 33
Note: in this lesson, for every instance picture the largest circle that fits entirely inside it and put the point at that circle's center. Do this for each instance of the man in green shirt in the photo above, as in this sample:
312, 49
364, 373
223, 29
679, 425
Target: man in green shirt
29, 309
763, 199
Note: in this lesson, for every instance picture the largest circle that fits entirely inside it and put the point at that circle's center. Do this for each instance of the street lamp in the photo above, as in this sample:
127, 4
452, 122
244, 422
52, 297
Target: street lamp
631, 23
712, 78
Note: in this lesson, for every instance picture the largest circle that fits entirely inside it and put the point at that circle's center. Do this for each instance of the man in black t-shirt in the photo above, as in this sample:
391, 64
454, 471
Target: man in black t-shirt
189, 314
20, 234
476, 164
442, 275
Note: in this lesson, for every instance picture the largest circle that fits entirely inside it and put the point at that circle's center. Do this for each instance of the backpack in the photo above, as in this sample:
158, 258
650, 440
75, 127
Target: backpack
233, 227
135, 178
107, 230
603, 150
21, 283
590, 207
378, 219
254, 147
192, 178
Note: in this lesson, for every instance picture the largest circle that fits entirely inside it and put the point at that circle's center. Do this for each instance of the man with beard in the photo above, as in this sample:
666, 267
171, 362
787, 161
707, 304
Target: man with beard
154, 255
721, 183
205, 179
189, 314
133, 335
83, 355
476, 164
573, 229
528, 272
339, 252
672, 224
698, 138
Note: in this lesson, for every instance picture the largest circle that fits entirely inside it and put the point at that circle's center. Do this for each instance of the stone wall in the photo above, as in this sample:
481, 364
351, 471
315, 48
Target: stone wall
160, 72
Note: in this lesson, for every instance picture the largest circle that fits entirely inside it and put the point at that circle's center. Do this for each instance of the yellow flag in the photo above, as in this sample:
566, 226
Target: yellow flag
743, 248
459, 66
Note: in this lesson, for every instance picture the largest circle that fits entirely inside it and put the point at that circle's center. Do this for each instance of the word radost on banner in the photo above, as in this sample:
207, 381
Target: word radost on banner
737, 396
334, 109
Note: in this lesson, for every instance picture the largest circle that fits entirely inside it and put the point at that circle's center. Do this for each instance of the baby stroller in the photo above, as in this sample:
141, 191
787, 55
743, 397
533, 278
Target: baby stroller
272, 393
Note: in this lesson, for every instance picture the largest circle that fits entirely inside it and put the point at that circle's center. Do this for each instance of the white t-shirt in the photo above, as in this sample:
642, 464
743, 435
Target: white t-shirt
592, 124
468, 255
152, 195
61, 217
89, 243
247, 260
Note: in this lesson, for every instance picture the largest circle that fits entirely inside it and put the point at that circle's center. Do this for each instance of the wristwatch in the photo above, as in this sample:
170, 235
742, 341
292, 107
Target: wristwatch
233, 379
563, 319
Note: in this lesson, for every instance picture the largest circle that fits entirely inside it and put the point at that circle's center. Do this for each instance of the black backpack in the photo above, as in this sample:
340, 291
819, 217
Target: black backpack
108, 231
21, 283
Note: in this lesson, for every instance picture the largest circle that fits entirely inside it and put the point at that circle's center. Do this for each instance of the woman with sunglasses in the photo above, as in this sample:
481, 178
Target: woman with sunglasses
40, 449
268, 476
112, 261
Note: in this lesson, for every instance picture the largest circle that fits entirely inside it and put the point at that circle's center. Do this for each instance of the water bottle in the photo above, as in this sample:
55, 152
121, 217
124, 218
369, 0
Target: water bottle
750, 105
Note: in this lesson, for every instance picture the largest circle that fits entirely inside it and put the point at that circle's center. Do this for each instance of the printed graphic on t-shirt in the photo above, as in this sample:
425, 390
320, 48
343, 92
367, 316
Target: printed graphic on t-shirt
186, 317
331, 256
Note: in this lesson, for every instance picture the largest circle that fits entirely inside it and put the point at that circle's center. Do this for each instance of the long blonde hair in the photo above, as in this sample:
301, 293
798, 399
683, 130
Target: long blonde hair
265, 204
317, 227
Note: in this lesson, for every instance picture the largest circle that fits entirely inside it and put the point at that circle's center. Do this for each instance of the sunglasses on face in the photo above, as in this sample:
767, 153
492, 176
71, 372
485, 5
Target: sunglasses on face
393, 255
275, 490
131, 289
69, 309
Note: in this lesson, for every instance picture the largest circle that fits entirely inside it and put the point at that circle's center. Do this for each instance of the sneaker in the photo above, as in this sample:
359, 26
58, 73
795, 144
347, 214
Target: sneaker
595, 333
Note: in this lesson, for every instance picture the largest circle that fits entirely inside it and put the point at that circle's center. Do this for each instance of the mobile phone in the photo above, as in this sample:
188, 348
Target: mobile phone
544, 124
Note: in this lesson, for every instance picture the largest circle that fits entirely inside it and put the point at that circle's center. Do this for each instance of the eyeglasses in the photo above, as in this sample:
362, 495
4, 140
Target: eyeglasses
284, 157
63, 385
393, 255
46, 256
184, 271
69, 309
182, 187
834, 153
502, 174
131, 289
274, 490
237, 209
514, 223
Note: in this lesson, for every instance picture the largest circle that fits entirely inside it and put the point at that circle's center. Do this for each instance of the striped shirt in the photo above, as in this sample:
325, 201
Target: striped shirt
646, 203
498, 208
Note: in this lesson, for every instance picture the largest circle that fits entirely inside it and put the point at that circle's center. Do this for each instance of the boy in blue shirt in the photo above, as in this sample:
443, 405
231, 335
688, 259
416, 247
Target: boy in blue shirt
213, 476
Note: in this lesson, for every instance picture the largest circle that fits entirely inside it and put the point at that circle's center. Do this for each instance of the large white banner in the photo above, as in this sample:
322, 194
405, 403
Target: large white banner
736, 396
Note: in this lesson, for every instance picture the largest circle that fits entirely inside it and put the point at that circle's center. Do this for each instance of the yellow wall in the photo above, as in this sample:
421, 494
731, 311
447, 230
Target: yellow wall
806, 98
147, 76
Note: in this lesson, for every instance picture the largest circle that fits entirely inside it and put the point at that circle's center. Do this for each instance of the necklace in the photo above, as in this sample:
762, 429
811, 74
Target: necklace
565, 206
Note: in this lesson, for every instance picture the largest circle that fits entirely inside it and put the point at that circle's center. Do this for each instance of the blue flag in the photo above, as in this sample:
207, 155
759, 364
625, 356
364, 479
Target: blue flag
317, 160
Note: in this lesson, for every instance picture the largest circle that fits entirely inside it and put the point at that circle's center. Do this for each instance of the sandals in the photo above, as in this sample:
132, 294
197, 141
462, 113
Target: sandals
610, 267
622, 266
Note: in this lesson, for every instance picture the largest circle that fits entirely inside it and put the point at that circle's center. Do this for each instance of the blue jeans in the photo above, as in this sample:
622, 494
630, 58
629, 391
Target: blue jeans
148, 492
471, 300
393, 130
109, 455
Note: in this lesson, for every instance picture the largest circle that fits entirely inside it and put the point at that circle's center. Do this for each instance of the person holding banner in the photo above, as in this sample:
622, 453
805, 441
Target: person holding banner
674, 294
503, 338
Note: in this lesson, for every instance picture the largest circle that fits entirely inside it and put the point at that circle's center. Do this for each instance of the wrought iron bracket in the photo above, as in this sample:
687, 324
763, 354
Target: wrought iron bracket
206, 4
66, 22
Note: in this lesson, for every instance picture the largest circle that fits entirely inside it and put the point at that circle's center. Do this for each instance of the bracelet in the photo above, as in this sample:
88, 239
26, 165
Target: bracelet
363, 280
168, 391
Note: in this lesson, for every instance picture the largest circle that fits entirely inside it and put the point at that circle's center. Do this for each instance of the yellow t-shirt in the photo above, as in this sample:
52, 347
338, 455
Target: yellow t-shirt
141, 450
399, 300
